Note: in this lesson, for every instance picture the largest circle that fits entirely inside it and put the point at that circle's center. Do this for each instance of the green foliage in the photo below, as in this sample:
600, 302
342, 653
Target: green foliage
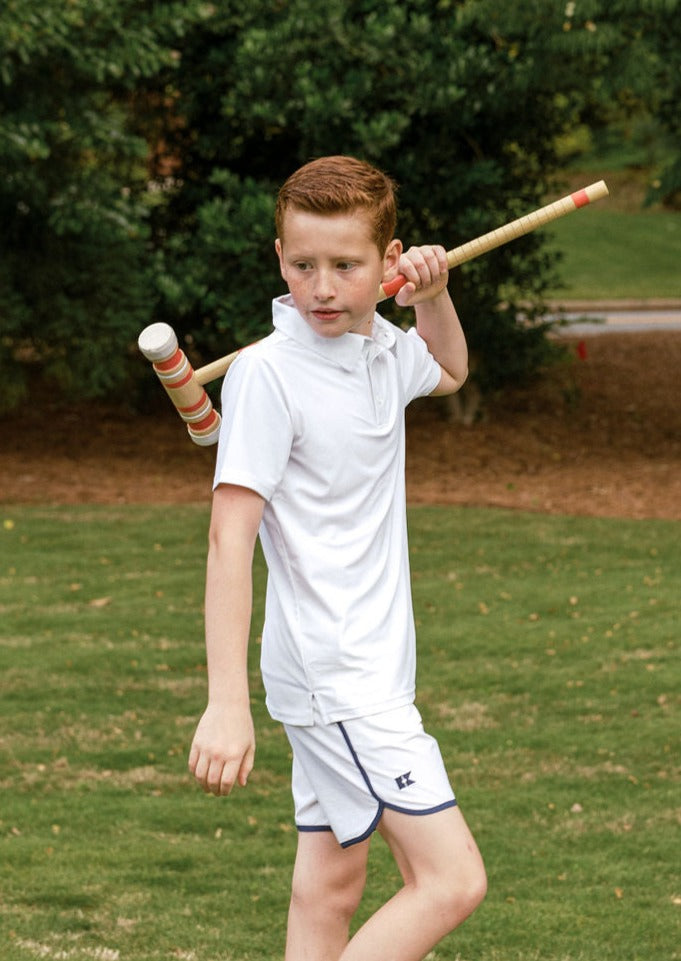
633, 50
142, 144
668, 42
74, 278
458, 101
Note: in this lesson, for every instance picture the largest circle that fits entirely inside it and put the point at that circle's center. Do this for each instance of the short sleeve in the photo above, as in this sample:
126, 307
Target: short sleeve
257, 428
419, 370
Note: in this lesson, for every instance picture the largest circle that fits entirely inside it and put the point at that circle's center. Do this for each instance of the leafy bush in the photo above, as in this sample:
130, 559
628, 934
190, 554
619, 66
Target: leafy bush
141, 147
75, 278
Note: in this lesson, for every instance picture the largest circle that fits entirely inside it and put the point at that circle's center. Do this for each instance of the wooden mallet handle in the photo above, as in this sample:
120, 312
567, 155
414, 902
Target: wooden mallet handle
184, 385
468, 251
502, 235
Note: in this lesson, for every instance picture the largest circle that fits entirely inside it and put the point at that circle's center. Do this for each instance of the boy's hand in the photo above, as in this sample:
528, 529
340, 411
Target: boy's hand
426, 271
223, 749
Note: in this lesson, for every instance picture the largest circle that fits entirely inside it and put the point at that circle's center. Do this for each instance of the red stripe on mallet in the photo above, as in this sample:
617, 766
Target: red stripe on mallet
580, 198
210, 421
194, 407
180, 383
173, 361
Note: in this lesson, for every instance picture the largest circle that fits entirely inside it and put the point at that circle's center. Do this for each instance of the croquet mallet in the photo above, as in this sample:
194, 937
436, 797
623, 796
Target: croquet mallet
185, 386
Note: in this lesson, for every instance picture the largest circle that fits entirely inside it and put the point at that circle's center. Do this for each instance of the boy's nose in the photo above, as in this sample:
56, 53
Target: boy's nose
324, 286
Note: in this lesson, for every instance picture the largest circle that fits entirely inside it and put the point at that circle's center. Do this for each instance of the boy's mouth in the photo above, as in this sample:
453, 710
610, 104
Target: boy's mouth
326, 314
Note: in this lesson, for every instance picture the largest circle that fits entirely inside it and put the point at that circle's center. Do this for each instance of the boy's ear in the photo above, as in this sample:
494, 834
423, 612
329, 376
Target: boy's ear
391, 259
280, 254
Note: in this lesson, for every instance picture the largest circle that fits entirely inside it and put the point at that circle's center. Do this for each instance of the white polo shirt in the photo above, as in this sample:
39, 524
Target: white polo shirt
315, 425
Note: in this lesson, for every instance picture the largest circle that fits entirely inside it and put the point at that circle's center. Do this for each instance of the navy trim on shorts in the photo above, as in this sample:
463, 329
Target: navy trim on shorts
382, 805
369, 831
313, 828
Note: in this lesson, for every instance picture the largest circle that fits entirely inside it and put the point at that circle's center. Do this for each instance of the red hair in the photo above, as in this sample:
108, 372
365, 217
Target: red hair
338, 185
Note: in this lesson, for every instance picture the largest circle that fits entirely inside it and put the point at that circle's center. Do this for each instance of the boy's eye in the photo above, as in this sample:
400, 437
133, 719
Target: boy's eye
305, 265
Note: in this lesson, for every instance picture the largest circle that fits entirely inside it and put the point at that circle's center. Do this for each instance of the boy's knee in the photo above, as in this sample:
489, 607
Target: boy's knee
453, 894
476, 890
338, 894
460, 895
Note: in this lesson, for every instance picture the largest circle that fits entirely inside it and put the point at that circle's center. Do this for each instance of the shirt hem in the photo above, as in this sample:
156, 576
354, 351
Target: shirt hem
339, 713
242, 479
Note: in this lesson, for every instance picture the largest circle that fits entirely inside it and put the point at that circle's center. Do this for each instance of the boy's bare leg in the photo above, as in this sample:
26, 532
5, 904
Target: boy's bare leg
328, 882
444, 881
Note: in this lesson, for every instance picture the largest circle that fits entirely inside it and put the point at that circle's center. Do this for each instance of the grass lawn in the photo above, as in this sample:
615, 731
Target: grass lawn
618, 248
549, 671
617, 254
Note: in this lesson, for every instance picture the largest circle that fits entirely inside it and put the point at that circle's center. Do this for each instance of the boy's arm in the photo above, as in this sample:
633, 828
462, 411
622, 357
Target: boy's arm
223, 748
436, 319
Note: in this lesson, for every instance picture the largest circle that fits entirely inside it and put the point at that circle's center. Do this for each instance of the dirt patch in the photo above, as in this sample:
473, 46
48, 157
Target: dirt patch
601, 437
598, 436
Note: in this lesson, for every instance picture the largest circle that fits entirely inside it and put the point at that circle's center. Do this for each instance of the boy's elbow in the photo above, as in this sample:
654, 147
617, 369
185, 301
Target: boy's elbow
450, 382
463, 377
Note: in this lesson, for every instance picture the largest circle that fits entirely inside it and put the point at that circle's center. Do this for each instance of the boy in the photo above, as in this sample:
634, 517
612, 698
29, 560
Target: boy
311, 457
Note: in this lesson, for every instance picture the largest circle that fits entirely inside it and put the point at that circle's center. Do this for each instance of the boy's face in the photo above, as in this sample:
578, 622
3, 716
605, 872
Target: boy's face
334, 269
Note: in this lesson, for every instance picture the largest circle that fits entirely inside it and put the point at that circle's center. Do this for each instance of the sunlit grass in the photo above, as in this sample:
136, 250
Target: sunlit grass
617, 248
615, 254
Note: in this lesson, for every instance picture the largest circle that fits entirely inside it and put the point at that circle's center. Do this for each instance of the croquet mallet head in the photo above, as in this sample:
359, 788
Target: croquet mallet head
158, 343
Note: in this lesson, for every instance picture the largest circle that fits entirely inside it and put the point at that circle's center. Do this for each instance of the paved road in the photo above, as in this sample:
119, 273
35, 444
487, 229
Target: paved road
600, 317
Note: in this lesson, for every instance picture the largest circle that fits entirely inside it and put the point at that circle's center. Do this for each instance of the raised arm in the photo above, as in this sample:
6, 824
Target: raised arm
437, 321
223, 748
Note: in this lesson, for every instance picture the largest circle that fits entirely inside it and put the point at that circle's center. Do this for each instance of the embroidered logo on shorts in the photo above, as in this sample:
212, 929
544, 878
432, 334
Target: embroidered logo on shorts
404, 780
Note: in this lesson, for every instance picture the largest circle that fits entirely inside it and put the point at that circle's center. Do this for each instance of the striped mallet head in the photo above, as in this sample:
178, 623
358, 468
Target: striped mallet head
159, 344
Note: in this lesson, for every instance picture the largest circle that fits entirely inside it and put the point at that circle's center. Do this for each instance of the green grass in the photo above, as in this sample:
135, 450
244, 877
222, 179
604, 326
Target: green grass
549, 671
618, 254
618, 248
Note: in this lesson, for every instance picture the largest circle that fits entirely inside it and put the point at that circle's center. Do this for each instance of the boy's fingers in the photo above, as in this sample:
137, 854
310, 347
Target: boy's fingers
405, 293
224, 779
207, 771
417, 269
218, 775
441, 255
246, 767
426, 271
434, 264
199, 765
193, 758
424, 265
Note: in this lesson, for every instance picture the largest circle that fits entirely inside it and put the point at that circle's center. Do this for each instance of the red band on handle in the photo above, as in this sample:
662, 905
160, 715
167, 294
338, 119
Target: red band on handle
176, 384
194, 407
171, 362
392, 286
580, 198
210, 421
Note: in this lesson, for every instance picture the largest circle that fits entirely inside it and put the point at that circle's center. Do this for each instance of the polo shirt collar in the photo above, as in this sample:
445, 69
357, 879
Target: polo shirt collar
344, 351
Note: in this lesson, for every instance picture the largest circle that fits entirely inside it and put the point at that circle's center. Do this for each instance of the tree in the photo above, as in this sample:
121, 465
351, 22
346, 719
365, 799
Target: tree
75, 281
142, 144
460, 106
634, 51
658, 28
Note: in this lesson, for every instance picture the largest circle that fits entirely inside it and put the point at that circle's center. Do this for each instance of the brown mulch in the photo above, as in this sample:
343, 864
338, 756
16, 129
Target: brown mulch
599, 436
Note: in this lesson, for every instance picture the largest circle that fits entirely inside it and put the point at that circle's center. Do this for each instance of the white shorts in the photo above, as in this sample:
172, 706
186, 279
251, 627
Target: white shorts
346, 773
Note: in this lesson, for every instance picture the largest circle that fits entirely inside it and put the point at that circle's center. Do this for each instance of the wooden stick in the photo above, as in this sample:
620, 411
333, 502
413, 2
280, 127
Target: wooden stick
216, 368
468, 251
185, 386
502, 235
